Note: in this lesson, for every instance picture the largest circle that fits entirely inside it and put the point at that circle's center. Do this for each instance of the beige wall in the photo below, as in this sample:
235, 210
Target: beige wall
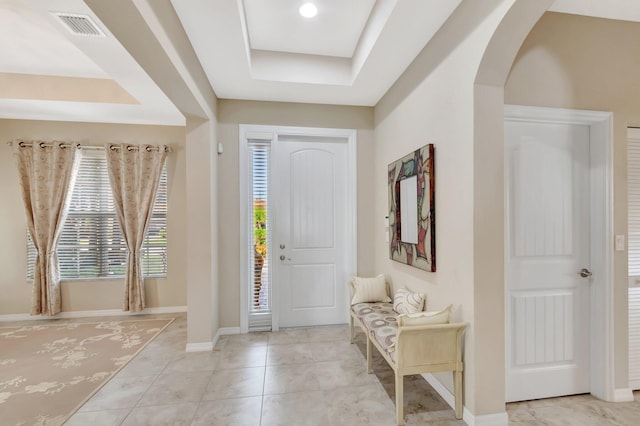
570, 61
201, 226
231, 114
433, 102
98, 294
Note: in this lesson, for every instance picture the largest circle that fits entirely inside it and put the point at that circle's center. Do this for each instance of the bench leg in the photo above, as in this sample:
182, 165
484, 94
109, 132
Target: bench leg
457, 389
352, 328
399, 399
369, 357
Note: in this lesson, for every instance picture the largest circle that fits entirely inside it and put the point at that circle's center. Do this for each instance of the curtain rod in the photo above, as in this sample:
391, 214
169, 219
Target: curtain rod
149, 148
79, 146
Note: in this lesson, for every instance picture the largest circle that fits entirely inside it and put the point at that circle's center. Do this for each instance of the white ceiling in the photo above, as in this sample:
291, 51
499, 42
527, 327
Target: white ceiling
40, 48
277, 26
350, 53
34, 44
324, 69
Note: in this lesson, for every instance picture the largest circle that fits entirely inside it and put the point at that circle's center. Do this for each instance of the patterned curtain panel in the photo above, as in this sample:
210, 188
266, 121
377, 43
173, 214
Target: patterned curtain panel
46, 178
134, 173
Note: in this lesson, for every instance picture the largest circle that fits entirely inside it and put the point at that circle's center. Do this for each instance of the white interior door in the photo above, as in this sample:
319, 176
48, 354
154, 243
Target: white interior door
310, 245
548, 240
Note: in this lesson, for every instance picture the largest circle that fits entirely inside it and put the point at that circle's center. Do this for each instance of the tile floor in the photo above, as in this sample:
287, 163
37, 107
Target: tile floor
307, 376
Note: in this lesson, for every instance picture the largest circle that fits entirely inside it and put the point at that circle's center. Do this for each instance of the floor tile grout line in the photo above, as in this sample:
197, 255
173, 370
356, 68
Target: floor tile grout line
142, 395
199, 403
378, 382
264, 380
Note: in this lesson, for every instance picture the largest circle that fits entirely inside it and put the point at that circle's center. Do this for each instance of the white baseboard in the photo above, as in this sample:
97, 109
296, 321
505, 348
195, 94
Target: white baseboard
498, 419
623, 395
228, 331
96, 313
208, 346
199, 347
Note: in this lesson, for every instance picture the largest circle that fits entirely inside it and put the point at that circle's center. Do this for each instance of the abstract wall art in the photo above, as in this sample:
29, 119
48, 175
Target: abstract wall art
412, 213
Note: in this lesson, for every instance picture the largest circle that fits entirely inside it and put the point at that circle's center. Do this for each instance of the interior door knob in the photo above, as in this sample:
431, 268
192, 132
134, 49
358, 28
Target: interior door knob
585, 273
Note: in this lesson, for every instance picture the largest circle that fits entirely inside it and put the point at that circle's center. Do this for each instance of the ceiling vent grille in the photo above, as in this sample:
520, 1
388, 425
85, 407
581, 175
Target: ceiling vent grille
80, 24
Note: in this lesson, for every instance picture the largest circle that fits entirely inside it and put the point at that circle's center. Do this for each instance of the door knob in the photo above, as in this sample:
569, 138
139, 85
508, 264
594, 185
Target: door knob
585, 273
282, 257
282, 246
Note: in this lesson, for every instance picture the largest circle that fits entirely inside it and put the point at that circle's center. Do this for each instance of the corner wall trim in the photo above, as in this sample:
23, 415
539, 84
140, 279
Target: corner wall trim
96, 313
498, 419
199, 347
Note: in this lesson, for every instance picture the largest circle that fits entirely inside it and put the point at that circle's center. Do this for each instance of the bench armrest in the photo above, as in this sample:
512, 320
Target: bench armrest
437, 345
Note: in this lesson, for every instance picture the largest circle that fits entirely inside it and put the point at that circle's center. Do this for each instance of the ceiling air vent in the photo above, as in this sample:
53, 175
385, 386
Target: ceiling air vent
80, 24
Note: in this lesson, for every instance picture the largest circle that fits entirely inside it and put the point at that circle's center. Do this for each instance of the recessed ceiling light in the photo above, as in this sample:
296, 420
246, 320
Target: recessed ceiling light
308, 10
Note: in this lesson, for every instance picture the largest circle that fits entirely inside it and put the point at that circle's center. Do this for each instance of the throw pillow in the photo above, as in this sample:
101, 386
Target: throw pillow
426, 318
369, 290
407, 302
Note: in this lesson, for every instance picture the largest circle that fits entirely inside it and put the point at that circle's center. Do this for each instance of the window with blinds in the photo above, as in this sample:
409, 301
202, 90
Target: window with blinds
260, 278
633, 204
91, 244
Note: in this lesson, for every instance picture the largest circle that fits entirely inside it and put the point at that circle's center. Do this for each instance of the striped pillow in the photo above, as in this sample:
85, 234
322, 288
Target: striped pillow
369, 290
406, 302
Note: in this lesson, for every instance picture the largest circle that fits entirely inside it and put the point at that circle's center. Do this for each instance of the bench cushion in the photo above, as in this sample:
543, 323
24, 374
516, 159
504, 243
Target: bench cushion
380, 320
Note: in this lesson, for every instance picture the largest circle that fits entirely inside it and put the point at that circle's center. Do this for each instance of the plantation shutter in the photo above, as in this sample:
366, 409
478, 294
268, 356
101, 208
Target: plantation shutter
633, 204
259, 238
91, 244
633, 232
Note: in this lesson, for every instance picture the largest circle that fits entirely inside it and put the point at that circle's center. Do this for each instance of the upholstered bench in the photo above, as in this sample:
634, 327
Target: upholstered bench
423, 342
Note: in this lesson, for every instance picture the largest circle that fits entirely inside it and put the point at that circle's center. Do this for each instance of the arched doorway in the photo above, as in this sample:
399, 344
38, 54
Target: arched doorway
489, 166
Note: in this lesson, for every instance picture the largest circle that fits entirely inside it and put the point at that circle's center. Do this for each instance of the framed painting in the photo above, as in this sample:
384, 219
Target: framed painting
412, 210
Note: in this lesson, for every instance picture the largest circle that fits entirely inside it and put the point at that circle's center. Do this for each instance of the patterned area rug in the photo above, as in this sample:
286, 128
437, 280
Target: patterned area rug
48, 371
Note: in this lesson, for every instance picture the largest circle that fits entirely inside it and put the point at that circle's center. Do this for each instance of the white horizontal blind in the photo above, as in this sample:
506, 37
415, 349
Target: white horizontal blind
634, 338
633, 205
259, 236
633, 241
91, 244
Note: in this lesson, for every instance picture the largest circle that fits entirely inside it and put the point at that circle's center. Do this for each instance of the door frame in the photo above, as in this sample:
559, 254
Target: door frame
272, 133
602, 374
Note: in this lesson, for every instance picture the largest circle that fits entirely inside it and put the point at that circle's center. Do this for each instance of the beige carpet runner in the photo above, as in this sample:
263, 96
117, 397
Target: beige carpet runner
47, 371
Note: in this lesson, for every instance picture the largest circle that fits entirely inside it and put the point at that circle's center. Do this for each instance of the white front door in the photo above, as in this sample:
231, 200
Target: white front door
548, 244
310, 242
